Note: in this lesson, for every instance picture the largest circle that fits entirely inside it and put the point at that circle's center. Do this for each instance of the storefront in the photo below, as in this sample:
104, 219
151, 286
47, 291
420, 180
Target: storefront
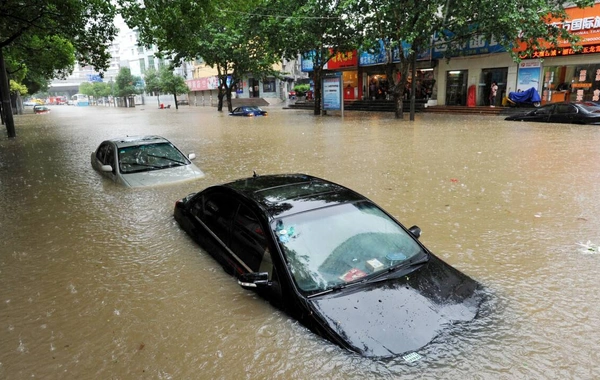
203, 91
570, 75
576, 83
466, 79
375, 83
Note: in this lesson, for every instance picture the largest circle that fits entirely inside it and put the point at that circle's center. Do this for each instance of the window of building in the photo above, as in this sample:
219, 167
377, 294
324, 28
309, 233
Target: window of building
269, 85
576, 83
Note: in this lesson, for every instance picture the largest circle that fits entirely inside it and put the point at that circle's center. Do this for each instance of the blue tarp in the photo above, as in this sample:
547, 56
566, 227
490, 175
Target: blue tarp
527, 96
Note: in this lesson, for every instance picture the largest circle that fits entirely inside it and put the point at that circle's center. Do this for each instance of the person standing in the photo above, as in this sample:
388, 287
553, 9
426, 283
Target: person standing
493, 92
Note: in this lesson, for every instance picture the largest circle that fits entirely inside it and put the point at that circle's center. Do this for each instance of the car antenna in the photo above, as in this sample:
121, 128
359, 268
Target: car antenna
254, 175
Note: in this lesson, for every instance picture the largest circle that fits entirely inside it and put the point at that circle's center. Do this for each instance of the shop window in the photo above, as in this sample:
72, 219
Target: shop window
571, 83
269, 85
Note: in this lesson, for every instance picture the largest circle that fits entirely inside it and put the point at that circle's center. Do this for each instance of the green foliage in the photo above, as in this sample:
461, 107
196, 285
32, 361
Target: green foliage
95, 89
224, 37
126, 84
17, 88
171, 83
41, 39
301, 89
152, 80
46, 36
322, 27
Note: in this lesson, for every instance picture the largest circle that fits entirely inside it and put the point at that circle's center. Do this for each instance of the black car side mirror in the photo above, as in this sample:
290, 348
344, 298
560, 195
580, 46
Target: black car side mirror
254, 280
415, 230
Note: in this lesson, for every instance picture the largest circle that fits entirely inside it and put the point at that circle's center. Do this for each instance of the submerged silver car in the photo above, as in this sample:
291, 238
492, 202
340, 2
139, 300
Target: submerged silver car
138, 161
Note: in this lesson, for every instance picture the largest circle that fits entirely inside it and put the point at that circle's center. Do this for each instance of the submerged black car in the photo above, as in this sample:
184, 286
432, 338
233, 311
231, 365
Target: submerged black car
569, 113
332, 259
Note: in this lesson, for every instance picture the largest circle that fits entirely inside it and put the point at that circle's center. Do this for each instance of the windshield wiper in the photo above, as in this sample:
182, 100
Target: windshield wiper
336, 288
167, 158
139, 164
404, 265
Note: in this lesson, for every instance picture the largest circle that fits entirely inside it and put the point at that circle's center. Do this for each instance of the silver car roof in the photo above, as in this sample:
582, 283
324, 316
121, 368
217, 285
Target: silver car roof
121, 142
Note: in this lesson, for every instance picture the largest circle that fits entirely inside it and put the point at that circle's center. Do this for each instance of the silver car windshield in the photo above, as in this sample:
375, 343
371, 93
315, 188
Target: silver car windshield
138, 158
336, 245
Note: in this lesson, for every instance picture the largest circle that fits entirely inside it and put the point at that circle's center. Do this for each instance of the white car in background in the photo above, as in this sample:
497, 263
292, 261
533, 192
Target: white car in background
139, 161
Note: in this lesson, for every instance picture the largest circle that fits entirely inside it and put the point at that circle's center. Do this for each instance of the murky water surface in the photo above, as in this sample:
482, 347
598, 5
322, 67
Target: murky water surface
98, 281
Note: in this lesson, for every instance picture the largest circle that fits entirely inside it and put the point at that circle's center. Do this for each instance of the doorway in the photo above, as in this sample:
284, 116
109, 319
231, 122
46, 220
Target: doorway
488, 76
253, 88
456, 88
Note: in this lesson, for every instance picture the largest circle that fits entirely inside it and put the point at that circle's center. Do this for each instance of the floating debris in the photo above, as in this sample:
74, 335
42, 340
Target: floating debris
589, 248
412, 357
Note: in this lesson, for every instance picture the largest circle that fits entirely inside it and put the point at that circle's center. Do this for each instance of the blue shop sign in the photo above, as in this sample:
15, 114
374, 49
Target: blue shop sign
372, 57
476, 45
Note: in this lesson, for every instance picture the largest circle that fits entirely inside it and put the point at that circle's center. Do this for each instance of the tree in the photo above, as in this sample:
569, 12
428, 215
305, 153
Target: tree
224, 37
96, 90
408, 27
152, 82
126, 84
87, 25
316, 29
172, 84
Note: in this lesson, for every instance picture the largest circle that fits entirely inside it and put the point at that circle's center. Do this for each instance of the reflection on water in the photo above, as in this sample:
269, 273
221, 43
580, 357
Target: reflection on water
98, 281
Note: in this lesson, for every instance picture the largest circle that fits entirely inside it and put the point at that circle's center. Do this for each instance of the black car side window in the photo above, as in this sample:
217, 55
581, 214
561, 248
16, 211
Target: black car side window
249, 242
218, 211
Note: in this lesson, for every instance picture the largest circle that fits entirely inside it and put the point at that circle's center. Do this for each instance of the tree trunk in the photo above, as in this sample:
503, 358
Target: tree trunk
220, 100
317, 94
413, 85
228, 97
5, 95
176, 105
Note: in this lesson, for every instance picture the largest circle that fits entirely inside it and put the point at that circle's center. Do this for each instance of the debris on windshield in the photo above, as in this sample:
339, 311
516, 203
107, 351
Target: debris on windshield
374, 265
412, 357
352, 275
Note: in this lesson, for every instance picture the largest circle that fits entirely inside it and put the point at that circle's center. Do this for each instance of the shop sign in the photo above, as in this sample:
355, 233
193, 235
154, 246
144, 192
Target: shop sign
202, 84
339, 60
476, 45
306, 61
584, 23
342, 60
581, 85
373, 57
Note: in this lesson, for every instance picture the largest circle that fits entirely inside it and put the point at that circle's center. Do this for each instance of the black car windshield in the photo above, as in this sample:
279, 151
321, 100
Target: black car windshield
332, 246
133, 159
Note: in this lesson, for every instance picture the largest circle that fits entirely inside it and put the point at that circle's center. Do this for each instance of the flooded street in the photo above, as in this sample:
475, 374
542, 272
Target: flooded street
98, 281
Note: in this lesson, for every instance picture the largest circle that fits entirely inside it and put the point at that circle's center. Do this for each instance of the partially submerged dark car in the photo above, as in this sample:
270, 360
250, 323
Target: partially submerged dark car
332, 259
569, 113
248, 111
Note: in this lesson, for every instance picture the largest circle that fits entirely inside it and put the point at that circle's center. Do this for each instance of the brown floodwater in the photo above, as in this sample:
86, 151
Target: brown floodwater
98, 281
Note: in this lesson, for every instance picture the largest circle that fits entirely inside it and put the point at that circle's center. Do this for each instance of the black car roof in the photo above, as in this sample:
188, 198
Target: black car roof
285, 194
